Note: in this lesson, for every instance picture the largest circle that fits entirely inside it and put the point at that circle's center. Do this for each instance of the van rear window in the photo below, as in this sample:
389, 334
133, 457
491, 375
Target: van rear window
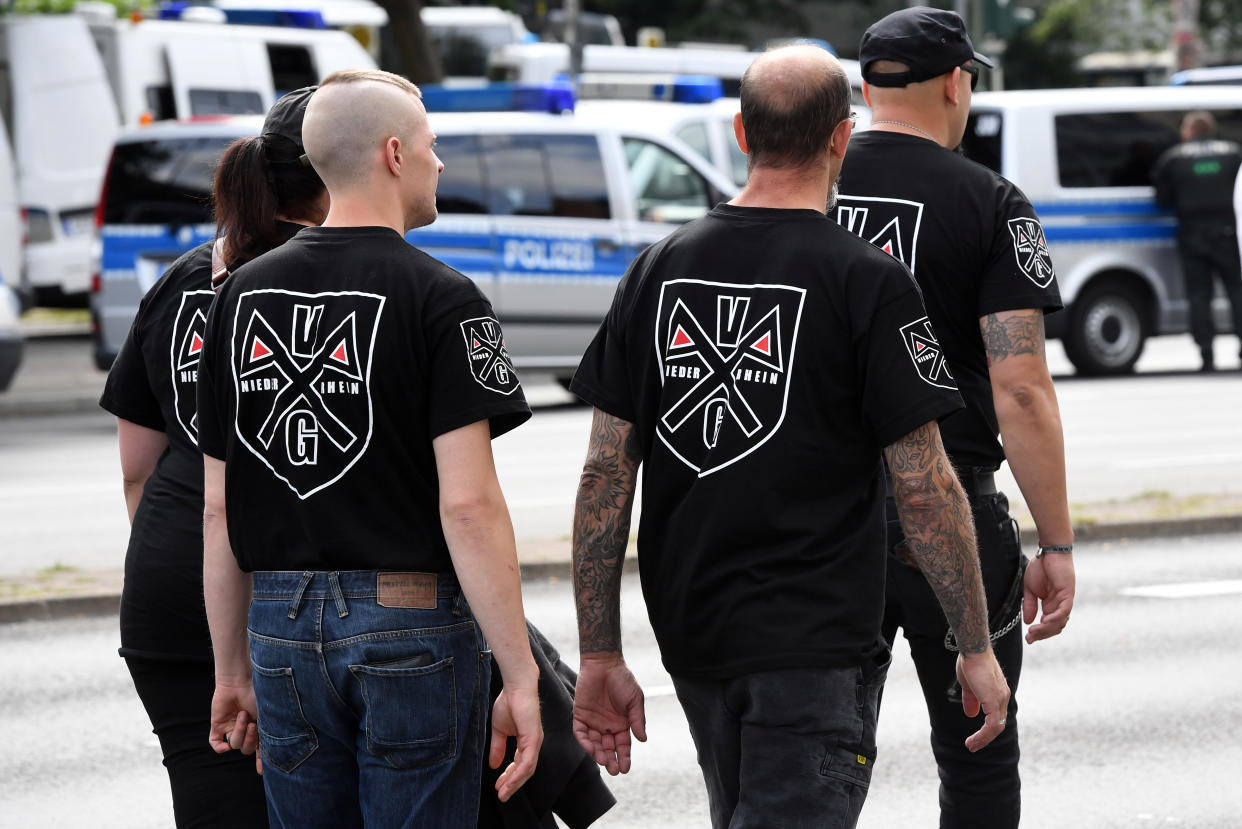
982, 139
1118, 149
163, 181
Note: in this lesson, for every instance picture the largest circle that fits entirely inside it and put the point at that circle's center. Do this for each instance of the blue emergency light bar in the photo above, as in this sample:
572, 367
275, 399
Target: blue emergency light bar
685, 89
288, 18
555, 97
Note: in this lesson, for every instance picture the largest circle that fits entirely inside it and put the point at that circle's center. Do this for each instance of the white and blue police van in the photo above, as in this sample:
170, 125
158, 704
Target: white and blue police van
1084, 158
544, 210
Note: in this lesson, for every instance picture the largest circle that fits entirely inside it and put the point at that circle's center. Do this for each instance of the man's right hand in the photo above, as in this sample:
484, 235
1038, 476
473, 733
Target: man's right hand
608, 706
983, 686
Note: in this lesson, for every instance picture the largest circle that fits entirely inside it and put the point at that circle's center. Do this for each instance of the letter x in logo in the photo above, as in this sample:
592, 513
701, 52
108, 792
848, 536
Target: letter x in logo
265, 351
721, 358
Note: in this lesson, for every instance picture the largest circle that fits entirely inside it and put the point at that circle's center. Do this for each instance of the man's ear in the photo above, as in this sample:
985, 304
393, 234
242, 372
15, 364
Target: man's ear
393, 155
841, 138
952, 86
739, 133
866, 90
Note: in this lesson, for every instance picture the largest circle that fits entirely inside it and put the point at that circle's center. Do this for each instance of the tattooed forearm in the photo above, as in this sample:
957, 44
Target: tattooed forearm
1009, 333
602, 530
939, 531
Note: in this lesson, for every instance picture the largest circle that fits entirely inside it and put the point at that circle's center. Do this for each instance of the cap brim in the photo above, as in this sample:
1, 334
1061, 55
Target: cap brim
985, 61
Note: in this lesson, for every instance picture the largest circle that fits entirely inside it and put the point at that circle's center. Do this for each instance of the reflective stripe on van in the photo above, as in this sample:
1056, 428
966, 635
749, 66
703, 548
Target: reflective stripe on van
1111, 221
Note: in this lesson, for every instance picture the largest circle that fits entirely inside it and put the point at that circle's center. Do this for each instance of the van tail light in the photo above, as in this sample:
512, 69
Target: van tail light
103, 194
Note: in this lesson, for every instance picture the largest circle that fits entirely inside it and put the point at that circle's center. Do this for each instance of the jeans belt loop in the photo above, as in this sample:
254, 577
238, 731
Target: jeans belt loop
342, 609
296, 602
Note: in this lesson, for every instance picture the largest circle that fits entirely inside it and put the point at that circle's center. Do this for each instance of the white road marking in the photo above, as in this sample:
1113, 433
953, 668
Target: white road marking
1186, 590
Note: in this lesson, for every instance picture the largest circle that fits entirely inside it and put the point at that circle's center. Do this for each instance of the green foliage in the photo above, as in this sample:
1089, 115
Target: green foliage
705, 20
123, 7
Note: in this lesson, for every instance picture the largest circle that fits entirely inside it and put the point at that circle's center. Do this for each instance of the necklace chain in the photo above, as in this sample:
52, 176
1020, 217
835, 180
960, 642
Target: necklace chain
907, 126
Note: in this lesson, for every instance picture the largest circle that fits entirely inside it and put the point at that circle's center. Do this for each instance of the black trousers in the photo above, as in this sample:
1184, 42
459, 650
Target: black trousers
209, 790
1209, 251
982, 789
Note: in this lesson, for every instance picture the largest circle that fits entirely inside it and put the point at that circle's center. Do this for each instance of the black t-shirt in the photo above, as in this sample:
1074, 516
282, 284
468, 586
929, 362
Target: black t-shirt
1196, 179
765, 358
331, 364
152, 383
975, 246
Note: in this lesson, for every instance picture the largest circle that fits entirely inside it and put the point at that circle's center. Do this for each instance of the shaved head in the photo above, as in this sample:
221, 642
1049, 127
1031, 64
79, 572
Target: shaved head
792, 100
351, 117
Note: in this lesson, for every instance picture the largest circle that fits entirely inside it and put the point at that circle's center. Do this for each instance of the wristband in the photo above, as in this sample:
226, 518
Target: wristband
1054, 548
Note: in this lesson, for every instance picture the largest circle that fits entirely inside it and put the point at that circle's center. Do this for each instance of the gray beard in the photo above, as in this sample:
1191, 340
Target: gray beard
833, 192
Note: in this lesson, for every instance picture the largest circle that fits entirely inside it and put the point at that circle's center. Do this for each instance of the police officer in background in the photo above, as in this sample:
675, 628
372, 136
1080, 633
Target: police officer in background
1196, 179
976, 248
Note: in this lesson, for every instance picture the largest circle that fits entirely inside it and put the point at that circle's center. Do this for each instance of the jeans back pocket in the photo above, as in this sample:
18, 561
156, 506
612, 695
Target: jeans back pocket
411, 710
286, 739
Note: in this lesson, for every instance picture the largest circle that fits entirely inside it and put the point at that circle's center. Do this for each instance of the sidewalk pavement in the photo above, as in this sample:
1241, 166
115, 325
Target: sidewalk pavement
58, 376
67, 593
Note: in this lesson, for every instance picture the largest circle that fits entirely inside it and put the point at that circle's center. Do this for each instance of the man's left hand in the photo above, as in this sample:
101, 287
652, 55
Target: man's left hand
1049, 581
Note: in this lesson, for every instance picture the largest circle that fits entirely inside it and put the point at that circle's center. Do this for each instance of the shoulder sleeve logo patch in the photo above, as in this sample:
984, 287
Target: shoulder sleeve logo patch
487, 356
924, 350
1030, 249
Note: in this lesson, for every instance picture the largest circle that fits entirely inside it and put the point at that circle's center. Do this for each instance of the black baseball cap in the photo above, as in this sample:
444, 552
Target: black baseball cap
284, 119
929, 41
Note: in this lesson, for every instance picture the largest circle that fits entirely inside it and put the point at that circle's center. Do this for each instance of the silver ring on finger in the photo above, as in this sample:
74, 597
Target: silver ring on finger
1002, 721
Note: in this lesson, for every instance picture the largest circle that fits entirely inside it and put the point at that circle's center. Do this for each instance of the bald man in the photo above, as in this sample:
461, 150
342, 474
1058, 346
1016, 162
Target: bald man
758, 362
977, 250
347, 420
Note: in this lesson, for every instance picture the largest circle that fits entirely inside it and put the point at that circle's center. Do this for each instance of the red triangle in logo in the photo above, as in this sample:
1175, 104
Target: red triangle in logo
919, 346
259, 351
764, 344
196, 344
681, 338
888, 248
339, 355
474, 344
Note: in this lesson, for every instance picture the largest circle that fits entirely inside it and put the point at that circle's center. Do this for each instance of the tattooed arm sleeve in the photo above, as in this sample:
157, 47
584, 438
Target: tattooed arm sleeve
602, 530
939, 531
1029, 418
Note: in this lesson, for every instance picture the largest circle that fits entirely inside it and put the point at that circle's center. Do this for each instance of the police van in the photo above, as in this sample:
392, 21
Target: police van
10, 265
170, 68
1084, 158
545, 212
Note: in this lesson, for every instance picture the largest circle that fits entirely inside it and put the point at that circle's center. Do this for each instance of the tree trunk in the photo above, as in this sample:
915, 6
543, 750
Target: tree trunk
411, 53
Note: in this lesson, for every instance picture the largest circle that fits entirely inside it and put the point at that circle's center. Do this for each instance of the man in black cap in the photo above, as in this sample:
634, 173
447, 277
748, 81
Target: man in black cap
976, 248
1196, 179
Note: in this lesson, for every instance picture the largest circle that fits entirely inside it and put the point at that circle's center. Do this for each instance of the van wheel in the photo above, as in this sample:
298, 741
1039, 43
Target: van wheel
1106, 331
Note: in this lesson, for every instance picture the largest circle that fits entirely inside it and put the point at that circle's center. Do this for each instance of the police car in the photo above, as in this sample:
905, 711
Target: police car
544, 211
1084, 157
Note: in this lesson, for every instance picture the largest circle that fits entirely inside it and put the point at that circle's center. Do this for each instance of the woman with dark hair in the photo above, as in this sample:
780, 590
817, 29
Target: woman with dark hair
265, 191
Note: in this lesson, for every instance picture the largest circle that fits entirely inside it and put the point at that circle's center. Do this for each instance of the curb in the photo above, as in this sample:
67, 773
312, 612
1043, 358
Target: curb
52, 608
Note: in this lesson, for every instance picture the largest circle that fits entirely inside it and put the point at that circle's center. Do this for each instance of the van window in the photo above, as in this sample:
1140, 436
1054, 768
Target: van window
695, 136
1118, 149
226, 102
544, 175
163, 181
460, 189
463, 50
982, 139
666, 188
292, 67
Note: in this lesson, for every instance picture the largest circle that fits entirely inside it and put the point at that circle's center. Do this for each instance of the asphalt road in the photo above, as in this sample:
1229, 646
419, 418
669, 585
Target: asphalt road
1165, 430
1130, 719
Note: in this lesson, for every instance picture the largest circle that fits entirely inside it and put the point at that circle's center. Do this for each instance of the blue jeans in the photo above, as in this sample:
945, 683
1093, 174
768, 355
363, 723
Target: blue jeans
788, 748
368, 715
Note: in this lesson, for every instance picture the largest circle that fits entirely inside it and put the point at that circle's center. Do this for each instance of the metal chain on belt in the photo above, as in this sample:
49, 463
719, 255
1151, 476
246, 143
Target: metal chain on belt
950, 642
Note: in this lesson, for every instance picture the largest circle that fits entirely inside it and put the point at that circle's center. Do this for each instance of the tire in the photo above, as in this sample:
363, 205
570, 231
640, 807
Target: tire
1106, 330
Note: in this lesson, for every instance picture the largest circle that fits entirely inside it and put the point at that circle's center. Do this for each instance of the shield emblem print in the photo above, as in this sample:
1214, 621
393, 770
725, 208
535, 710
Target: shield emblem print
487, 355
925, 352
301, 370
725, 353
892, 225
1031, 250
185, 350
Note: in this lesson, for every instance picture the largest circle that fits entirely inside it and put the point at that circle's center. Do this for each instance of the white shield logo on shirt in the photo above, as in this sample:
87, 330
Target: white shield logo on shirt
301, 371
725, 354
1030, 248
924, 349
892, 225
487, 355
185, 350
